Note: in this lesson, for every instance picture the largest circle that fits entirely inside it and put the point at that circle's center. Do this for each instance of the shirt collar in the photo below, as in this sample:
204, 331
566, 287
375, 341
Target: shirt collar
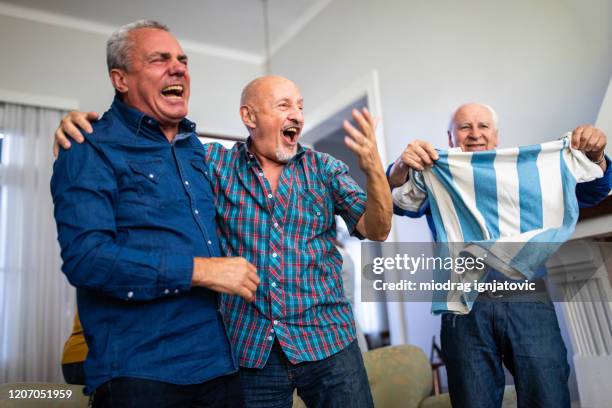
141, 123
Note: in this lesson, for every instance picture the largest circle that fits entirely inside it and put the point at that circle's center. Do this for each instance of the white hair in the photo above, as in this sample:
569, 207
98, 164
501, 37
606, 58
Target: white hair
451, 122
120, 44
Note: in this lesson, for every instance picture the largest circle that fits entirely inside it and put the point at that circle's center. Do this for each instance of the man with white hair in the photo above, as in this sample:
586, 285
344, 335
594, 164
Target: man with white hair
509, 328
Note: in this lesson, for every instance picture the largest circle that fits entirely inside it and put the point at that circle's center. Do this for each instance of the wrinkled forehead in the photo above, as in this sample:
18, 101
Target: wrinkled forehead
473, 113
152, 40
275, 90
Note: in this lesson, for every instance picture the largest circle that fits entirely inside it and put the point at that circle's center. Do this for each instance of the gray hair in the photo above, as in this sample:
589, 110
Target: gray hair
120, 44
451, 122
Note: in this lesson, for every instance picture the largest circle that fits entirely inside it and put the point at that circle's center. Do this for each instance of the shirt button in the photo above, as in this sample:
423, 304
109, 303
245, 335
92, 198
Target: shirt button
260, 174
206, 173
186, 183
276, 225
130, 294
273, 284
269, 195
209, 242
274, 255
318, 212
166, 291
270, 338
275, 322
176, 291
151, 175
196, 211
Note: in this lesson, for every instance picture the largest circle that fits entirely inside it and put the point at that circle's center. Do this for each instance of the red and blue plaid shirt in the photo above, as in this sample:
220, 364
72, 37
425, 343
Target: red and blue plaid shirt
290, 238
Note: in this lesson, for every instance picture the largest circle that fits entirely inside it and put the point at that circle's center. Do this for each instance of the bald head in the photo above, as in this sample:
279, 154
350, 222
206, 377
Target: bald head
271, 109
261, 87
473, 127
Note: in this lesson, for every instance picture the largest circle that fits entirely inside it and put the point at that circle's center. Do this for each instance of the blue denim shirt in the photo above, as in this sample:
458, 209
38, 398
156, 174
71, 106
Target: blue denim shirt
132, 211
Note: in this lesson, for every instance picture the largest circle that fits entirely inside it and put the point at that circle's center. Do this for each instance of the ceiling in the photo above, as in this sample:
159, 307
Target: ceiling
230, 27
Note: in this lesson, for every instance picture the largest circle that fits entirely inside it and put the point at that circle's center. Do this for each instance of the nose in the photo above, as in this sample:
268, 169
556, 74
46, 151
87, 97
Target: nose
296, 115
474, 133
178, 68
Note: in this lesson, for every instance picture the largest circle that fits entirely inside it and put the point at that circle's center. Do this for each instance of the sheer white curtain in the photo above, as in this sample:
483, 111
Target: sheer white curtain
36, 302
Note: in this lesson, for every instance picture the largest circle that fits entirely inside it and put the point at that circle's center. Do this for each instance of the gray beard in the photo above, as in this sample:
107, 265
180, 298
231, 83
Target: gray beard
283, 157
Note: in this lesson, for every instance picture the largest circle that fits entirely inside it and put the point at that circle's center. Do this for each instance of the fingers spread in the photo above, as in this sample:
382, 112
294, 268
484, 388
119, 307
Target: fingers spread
350, 143
353, 131
367, 122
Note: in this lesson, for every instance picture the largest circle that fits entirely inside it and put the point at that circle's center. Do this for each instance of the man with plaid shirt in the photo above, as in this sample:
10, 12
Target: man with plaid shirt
276, 203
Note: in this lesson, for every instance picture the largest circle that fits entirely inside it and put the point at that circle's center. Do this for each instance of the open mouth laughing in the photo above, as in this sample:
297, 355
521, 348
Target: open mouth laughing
173, 91
291, 134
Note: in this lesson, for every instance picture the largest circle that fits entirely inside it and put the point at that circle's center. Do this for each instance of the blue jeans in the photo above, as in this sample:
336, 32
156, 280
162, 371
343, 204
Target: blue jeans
337, 381
524, 336
129, 392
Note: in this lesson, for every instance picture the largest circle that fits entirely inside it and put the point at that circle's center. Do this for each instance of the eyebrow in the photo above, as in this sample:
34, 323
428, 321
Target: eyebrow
167, 55
286, 99
470, 123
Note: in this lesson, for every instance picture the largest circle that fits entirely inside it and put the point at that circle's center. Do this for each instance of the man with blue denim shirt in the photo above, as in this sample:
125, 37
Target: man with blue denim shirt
275, 202
136, 224
513, 329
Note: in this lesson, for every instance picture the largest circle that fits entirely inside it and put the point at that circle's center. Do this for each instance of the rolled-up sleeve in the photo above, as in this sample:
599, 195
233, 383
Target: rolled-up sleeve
349, 198
84, 191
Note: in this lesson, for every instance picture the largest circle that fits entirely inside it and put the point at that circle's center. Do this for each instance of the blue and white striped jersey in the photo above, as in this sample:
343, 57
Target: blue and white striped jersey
495, 202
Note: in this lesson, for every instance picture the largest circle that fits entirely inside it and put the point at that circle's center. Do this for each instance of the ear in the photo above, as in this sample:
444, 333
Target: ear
450, 138
119, 79
247, 116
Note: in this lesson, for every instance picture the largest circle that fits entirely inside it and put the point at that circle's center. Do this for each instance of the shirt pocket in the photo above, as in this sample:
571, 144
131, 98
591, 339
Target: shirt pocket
315, 200
201, 187
315, 214
148, 179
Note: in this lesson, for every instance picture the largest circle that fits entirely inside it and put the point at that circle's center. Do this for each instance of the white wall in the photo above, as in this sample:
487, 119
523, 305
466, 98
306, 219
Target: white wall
44, 59
604, 118
544, 66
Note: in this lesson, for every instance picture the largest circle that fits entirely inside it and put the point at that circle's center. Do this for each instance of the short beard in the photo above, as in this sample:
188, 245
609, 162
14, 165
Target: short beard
284, 156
